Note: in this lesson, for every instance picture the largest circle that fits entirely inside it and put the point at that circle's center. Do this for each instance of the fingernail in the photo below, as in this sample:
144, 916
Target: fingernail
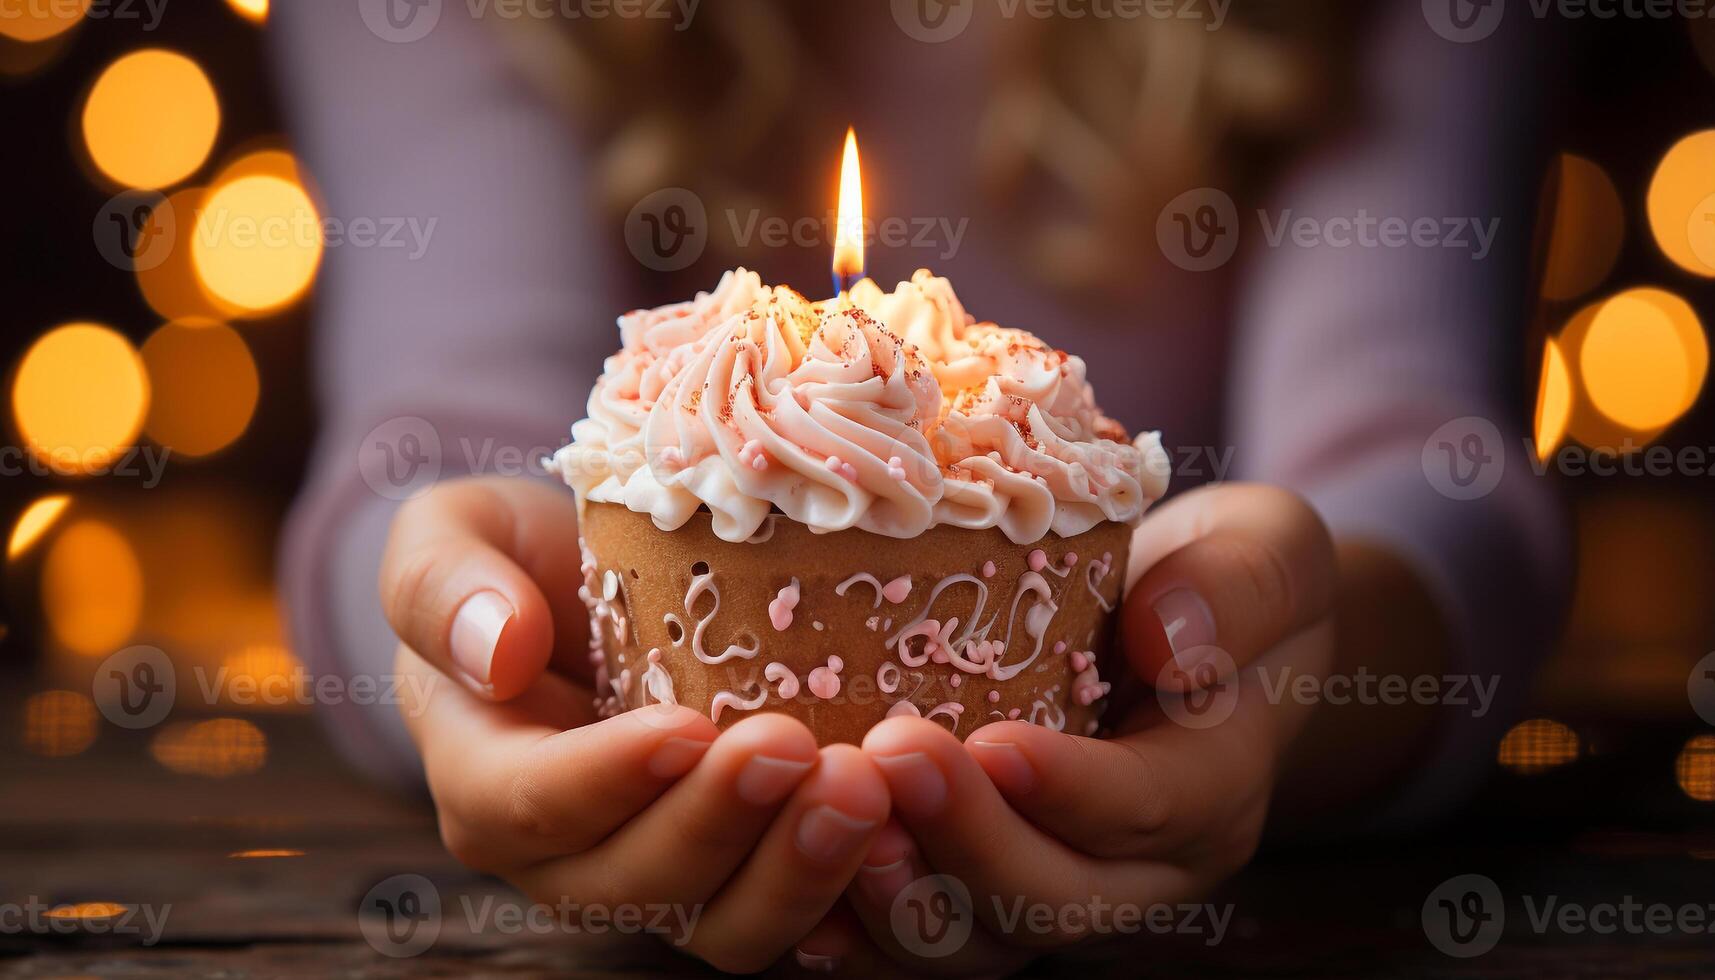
816, 962
916, 782
882, 883
1006, 765
476, 632
1190, 626
825, 834
675, 756
765, 780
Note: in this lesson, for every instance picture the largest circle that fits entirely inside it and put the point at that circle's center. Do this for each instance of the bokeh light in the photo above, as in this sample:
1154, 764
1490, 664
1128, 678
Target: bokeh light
255, 11
204, 383
170, 287
1695, 769
1679, 199
92, 588
40, 20
219, 747
35, 522
1553, 400
1537, 746
267, 668
257, 242
1644, 359
88, 911
59, 723
151, 119
1589, 227
80, 396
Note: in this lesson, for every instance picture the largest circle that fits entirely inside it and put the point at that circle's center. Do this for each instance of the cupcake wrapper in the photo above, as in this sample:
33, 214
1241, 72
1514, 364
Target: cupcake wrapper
842, 630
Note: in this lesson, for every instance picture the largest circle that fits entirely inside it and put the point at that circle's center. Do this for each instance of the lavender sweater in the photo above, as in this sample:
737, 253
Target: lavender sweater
1320, 367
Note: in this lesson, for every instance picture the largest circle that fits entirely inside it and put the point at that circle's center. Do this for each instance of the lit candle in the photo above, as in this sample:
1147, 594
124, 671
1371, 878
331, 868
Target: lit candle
848, 223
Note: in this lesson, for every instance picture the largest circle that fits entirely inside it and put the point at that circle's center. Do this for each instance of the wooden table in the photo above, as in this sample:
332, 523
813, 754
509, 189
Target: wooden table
111, 825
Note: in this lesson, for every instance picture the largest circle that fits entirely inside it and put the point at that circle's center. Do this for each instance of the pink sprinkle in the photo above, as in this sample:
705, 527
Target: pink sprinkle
1079, 661
1038, 560
955, 681
994, 697
1014, 713
988, 569
1070, 559
780, 610
895, 468
824, 682
897, 590
759, 462
842, 468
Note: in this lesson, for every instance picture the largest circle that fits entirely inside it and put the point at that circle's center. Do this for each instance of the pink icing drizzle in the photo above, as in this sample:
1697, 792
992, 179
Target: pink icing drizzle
780, 610
896, 590
824, 682
785, 682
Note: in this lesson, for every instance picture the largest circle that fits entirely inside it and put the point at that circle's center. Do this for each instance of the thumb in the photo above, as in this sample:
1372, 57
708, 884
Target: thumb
1242, 567
463, 575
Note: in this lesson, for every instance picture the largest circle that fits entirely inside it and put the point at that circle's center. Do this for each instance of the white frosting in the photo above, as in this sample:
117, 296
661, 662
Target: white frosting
890, 412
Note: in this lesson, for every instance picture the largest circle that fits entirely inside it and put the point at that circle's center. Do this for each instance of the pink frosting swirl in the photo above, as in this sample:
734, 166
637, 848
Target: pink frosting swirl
890, 412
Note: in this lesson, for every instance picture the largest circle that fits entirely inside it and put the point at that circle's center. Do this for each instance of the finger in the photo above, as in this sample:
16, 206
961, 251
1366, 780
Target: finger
1248, 566
911, 924
964, 828
684, 847
1162, 788
463, 580
800, 867
514, 785
1171, 789
838, 944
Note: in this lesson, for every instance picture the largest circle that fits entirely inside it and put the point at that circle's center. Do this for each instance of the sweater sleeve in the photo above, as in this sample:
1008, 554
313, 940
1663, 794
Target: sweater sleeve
448, 352
1378, 368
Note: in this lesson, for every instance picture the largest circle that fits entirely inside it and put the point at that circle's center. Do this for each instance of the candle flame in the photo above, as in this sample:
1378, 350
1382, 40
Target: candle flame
848, 225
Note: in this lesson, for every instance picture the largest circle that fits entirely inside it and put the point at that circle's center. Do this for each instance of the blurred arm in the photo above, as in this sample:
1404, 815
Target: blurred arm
1349, 359
485, 323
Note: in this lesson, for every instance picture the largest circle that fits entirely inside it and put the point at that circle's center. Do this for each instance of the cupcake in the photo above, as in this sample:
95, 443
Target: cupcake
851, 509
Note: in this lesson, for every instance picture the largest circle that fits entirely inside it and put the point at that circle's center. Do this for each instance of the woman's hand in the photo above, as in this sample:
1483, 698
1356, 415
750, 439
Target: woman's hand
751, 835
1227, 582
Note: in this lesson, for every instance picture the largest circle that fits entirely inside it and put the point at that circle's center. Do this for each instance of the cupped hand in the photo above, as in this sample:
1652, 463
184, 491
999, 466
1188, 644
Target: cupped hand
748, 836
1047, 833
